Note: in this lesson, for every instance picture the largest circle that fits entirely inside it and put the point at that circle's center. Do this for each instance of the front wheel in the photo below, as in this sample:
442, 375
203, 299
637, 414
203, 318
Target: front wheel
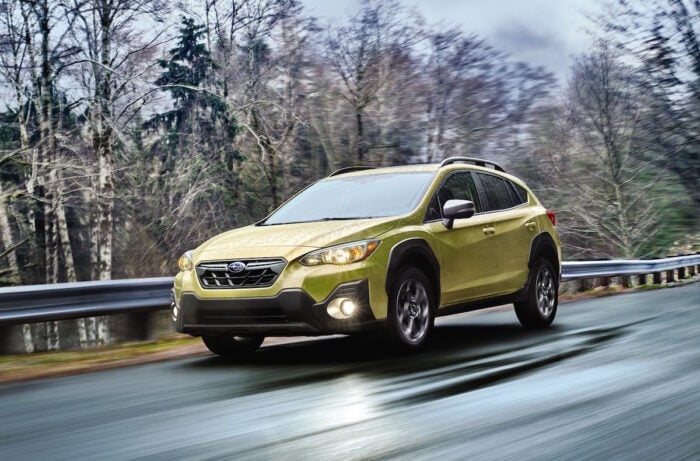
232, 346
540, 307
411, 308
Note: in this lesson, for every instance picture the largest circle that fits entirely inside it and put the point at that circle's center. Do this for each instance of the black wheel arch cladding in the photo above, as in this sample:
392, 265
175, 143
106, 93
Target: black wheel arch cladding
416, 252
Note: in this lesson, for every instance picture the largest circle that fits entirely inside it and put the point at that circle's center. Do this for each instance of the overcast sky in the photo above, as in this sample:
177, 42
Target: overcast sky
539, 32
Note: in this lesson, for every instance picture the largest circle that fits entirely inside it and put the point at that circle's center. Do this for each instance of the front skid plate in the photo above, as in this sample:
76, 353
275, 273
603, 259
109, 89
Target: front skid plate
289, 313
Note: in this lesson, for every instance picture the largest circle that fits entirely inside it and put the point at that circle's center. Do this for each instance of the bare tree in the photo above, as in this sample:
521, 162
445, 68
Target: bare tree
359, 53
13, 57
590, 157
663, 40
110, 35
36, 43
240, 36
462, 91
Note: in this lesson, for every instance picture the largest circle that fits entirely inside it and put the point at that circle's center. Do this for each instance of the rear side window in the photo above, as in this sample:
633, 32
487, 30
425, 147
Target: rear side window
500, 193
458, 186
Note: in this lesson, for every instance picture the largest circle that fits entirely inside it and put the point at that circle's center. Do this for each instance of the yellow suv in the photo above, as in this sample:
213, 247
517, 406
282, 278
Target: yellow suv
375, 248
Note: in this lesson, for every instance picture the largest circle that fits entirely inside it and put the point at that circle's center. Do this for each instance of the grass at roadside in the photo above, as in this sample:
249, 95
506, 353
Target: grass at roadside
58, 363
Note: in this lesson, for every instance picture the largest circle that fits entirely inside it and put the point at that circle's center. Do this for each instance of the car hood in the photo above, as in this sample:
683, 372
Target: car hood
289, 240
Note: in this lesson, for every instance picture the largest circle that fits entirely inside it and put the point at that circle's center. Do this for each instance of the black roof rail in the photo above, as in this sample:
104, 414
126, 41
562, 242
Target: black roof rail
350, 169
473, 161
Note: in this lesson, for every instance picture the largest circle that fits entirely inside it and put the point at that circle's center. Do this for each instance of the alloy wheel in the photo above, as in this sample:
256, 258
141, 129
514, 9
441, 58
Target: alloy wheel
413, 310
546, 294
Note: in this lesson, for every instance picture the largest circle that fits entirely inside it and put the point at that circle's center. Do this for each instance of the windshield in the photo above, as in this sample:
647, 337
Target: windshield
354, 197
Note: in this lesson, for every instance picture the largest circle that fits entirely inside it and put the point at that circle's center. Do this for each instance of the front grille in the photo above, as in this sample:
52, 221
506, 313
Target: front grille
258, 273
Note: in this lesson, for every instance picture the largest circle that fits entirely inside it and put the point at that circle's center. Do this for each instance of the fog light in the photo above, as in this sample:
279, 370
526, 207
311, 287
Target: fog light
347, 307
174, 311
341, 308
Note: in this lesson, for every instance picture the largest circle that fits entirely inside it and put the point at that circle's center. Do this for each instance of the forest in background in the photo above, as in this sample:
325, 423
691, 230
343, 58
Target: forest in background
133, 130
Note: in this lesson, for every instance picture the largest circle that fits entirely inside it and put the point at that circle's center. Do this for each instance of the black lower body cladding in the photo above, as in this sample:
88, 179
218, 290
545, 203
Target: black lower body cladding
291, 312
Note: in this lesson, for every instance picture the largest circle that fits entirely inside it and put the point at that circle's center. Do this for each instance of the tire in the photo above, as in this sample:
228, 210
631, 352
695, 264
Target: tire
540, 306
232, 346
411, 313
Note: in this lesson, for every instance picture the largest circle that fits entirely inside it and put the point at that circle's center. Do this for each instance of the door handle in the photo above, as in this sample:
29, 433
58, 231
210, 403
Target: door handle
531, 225
489, 230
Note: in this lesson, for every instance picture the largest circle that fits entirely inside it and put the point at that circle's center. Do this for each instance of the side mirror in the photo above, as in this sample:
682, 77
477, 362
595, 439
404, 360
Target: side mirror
457, 209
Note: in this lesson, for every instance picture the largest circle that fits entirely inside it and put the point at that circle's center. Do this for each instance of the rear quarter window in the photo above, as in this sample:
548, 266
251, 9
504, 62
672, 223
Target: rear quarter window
520, 193
501, 194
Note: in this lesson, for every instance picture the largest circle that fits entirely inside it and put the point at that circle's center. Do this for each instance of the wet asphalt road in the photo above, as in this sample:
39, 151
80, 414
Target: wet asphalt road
616, 378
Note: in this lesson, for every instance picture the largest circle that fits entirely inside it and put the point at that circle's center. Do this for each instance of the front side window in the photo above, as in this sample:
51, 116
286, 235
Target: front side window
354, 197
458, 186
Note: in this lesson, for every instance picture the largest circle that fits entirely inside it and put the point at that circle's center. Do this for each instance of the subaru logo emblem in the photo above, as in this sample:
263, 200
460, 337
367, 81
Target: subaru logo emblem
236, 267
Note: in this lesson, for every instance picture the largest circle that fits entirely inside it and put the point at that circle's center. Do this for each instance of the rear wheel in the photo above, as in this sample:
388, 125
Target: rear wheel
232, 346
540, 307
411, 308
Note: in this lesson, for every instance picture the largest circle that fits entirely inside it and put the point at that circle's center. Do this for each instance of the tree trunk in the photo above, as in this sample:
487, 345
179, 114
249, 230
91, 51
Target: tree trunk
27, 336
66, 249
50, 230
53, 340
46, 143
361, 145
8, 241
105, 159
273, 180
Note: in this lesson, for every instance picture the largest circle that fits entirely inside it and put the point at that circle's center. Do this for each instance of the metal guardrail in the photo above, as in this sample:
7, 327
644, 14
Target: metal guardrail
576, 270
41, 303
61, 301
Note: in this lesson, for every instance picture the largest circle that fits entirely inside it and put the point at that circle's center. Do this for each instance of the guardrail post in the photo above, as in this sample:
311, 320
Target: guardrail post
670, 276
657, 278
137, 326
11, 339
691, 271
625, 281
642, 279
584, 285
681, 273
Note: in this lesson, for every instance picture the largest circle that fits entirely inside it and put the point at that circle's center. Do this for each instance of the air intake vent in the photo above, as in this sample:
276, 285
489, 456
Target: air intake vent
240, 273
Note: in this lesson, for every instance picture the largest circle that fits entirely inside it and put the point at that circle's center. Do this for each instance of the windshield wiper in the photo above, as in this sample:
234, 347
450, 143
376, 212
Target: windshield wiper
344, 218
338, 218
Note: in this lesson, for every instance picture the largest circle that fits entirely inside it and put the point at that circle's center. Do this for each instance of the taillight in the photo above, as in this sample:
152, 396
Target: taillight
550, 215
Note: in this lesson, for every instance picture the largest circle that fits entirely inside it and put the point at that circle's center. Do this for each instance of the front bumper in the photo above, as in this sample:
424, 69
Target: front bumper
289, 313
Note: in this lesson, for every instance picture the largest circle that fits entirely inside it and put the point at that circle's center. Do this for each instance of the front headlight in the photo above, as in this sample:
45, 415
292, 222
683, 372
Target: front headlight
185, 262
341, 254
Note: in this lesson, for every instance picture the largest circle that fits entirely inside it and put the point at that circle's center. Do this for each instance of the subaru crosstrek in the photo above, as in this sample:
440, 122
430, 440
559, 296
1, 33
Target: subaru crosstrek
375, 249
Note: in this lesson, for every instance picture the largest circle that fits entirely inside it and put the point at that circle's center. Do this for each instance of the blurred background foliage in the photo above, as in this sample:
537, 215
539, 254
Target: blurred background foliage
132, 131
